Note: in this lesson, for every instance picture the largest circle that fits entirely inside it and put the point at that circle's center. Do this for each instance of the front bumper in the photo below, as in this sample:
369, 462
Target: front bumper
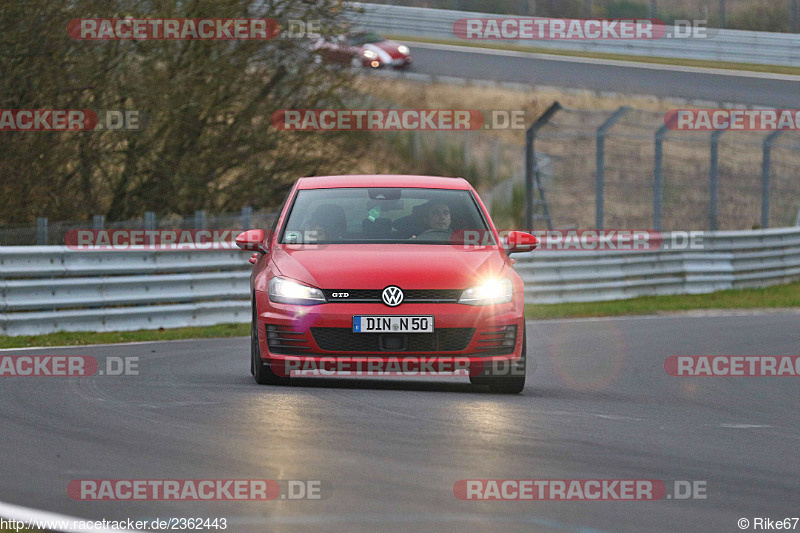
478, 335
394, 63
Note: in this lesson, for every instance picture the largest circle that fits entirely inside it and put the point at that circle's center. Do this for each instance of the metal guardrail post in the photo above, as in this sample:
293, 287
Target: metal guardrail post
530, 159
247, 215
658, 177
149, 221
601, 159
41, 231
766, 168
200, 219
713, 181
98, 222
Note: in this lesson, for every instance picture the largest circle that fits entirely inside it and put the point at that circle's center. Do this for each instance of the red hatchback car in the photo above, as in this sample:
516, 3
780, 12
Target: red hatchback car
375, 271
365, 49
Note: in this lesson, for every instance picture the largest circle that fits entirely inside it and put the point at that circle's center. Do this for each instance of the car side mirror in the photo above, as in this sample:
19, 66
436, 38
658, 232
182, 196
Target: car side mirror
519, 241
251, 240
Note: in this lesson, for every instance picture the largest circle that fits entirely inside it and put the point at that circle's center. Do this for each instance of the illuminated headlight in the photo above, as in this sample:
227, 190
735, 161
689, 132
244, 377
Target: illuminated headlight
289, 292
369, 54
496, 291
403, 49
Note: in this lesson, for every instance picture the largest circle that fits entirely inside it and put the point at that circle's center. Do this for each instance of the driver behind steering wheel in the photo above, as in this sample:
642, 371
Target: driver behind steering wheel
437, 220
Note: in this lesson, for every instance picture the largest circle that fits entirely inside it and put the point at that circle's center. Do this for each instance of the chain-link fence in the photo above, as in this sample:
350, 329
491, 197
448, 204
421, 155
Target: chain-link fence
599, 169
625, 169
46, 232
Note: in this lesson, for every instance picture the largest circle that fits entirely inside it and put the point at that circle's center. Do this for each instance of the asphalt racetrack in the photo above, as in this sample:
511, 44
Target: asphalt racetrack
388, 452
752, 88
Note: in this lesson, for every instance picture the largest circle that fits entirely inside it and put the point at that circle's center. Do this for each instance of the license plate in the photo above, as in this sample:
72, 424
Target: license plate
392, 324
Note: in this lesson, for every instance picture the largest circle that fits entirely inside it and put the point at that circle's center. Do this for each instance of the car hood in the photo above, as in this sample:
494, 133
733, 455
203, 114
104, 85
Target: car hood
413, 266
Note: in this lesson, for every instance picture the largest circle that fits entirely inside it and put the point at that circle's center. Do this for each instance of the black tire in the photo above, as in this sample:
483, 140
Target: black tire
261, 371
507, 384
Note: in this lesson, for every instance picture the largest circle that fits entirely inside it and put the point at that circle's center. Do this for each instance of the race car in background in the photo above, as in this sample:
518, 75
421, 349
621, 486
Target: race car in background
364, 49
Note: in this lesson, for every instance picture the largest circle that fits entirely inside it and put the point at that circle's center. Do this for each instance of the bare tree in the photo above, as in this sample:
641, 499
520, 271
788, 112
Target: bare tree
205, 139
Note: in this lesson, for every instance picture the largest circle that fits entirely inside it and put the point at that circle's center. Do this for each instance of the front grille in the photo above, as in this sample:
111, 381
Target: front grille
441, 340
285, 340
498, 340
409, 296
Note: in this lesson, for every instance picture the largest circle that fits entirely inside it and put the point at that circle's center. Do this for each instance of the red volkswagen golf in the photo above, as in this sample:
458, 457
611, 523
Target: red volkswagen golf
387, 273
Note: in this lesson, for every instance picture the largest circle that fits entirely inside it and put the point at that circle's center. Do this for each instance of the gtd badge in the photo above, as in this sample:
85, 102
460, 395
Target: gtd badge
340, 295
392, 296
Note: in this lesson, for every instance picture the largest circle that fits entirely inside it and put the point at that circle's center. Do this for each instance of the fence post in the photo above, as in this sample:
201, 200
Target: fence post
723, 14
495, 161
653, 13
98, 222
766, 167
41, 231
713, 182
794, 16
149, 221
601, 148
658, 177
467, 151
530, 160
199, 219
247, 213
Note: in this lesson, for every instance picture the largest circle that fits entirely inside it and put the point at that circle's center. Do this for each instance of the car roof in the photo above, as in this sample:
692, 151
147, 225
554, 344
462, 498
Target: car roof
383, 180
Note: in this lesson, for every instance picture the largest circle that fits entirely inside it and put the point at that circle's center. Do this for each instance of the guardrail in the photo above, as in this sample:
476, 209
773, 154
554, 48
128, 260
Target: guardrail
45, 289
726, 260
51, 288
737, 46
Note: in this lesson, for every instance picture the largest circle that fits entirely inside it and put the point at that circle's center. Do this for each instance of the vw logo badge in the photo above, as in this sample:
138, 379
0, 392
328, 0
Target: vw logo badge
392, 296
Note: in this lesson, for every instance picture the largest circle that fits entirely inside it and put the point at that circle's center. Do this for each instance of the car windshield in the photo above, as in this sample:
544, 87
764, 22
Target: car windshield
365, 38
386, 215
